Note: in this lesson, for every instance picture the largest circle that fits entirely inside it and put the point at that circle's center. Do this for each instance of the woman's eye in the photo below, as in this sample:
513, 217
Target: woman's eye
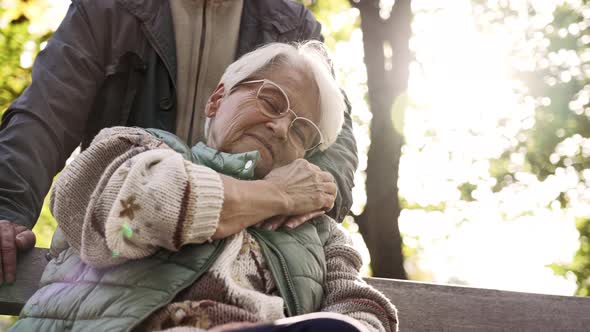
270, 106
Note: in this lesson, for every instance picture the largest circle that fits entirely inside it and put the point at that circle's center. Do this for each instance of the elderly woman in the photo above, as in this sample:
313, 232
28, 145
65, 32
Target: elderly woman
161, 234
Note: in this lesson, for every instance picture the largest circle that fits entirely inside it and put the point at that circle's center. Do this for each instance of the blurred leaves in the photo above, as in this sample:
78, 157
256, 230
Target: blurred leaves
466, 191
580, 266
337, 18
19, 42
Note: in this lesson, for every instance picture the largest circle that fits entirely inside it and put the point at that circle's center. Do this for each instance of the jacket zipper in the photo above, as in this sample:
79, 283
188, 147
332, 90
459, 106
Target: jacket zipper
290, 287
199, 64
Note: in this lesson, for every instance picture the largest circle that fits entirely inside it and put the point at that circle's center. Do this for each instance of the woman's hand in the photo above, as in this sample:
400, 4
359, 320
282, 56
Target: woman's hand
299, 190
304, 186
305, 183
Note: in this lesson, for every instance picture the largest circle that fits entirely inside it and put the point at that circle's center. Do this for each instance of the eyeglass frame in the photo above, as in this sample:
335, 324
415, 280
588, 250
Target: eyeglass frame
283, 114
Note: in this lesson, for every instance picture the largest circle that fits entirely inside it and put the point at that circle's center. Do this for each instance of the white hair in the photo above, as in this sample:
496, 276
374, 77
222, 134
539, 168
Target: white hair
313, 55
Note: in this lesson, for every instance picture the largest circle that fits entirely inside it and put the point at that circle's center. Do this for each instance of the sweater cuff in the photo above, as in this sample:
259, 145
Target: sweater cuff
208, 200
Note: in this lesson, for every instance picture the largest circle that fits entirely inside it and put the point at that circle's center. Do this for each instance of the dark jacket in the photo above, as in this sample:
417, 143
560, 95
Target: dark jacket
113, 62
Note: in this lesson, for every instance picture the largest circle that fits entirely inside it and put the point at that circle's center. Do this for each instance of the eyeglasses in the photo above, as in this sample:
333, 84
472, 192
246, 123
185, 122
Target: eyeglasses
274, 103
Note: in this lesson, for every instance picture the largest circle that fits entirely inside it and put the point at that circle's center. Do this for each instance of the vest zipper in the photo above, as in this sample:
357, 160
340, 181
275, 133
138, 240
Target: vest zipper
289, 295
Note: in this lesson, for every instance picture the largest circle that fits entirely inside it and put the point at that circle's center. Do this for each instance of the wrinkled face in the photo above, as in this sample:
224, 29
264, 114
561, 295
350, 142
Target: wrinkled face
238, 124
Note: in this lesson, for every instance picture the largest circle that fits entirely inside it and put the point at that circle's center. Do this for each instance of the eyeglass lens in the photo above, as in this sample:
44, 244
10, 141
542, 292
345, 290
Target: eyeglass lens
275, 104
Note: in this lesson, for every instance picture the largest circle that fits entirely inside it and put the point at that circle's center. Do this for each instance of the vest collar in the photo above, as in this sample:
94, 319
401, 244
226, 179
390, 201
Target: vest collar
238, 165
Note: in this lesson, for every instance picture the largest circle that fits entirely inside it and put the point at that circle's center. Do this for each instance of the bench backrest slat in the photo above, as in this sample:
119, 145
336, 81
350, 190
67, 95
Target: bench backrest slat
432, 307
28, 273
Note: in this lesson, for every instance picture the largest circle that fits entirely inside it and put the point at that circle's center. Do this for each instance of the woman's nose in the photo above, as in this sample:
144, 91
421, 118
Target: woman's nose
280, 127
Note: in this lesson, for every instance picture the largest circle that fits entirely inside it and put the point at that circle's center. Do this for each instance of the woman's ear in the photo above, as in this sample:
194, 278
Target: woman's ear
214, 101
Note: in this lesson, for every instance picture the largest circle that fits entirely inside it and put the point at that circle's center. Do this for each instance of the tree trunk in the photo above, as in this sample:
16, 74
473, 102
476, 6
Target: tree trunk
387, 79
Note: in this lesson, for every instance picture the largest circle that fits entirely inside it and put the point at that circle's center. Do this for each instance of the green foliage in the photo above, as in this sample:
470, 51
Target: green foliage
13, 78
466, 190
337, 23
580, 266
404, 204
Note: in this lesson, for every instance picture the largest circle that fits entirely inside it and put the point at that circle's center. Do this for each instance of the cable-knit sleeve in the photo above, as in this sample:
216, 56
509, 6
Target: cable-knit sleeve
347, 293
128, 195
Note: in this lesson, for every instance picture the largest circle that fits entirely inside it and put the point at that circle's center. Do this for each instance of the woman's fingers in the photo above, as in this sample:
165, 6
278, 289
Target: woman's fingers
273, 223
291, 222
327, 177
330, 188
296, 221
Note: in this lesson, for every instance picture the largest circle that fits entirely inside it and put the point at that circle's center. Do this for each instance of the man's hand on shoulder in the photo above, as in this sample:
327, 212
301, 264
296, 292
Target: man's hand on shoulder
13, 237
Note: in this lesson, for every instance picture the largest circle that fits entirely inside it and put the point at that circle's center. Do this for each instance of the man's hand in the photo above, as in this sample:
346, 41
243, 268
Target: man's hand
13, 237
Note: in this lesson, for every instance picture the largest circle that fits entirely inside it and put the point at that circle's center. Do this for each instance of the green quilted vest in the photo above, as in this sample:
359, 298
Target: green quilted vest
76, 297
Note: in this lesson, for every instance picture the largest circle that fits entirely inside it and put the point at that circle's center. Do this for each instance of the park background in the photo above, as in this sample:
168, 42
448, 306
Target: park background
473, 125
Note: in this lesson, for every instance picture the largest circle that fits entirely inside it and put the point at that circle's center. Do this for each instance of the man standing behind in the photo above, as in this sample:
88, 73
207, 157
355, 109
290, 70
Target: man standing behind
140, 63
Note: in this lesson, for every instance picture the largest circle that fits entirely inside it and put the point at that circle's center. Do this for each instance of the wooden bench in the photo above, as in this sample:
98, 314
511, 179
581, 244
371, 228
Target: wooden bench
422, 306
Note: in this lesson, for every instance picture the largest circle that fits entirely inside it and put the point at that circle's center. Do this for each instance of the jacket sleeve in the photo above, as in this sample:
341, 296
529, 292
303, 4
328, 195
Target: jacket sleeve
340, 159
347, 293
129, 194
44, 125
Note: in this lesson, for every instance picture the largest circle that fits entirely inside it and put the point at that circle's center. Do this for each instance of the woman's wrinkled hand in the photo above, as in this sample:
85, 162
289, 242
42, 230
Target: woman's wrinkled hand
300, 191
304, 187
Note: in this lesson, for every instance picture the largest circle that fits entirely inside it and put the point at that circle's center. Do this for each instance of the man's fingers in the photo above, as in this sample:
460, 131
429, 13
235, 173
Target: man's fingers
25, 240
8, 247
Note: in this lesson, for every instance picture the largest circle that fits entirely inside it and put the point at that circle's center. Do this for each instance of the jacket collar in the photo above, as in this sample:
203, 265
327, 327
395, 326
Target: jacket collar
144, 10
156, 19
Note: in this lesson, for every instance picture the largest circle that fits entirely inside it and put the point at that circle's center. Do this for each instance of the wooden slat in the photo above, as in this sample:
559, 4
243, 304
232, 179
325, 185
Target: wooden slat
422, 306
29, 270
431, 307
